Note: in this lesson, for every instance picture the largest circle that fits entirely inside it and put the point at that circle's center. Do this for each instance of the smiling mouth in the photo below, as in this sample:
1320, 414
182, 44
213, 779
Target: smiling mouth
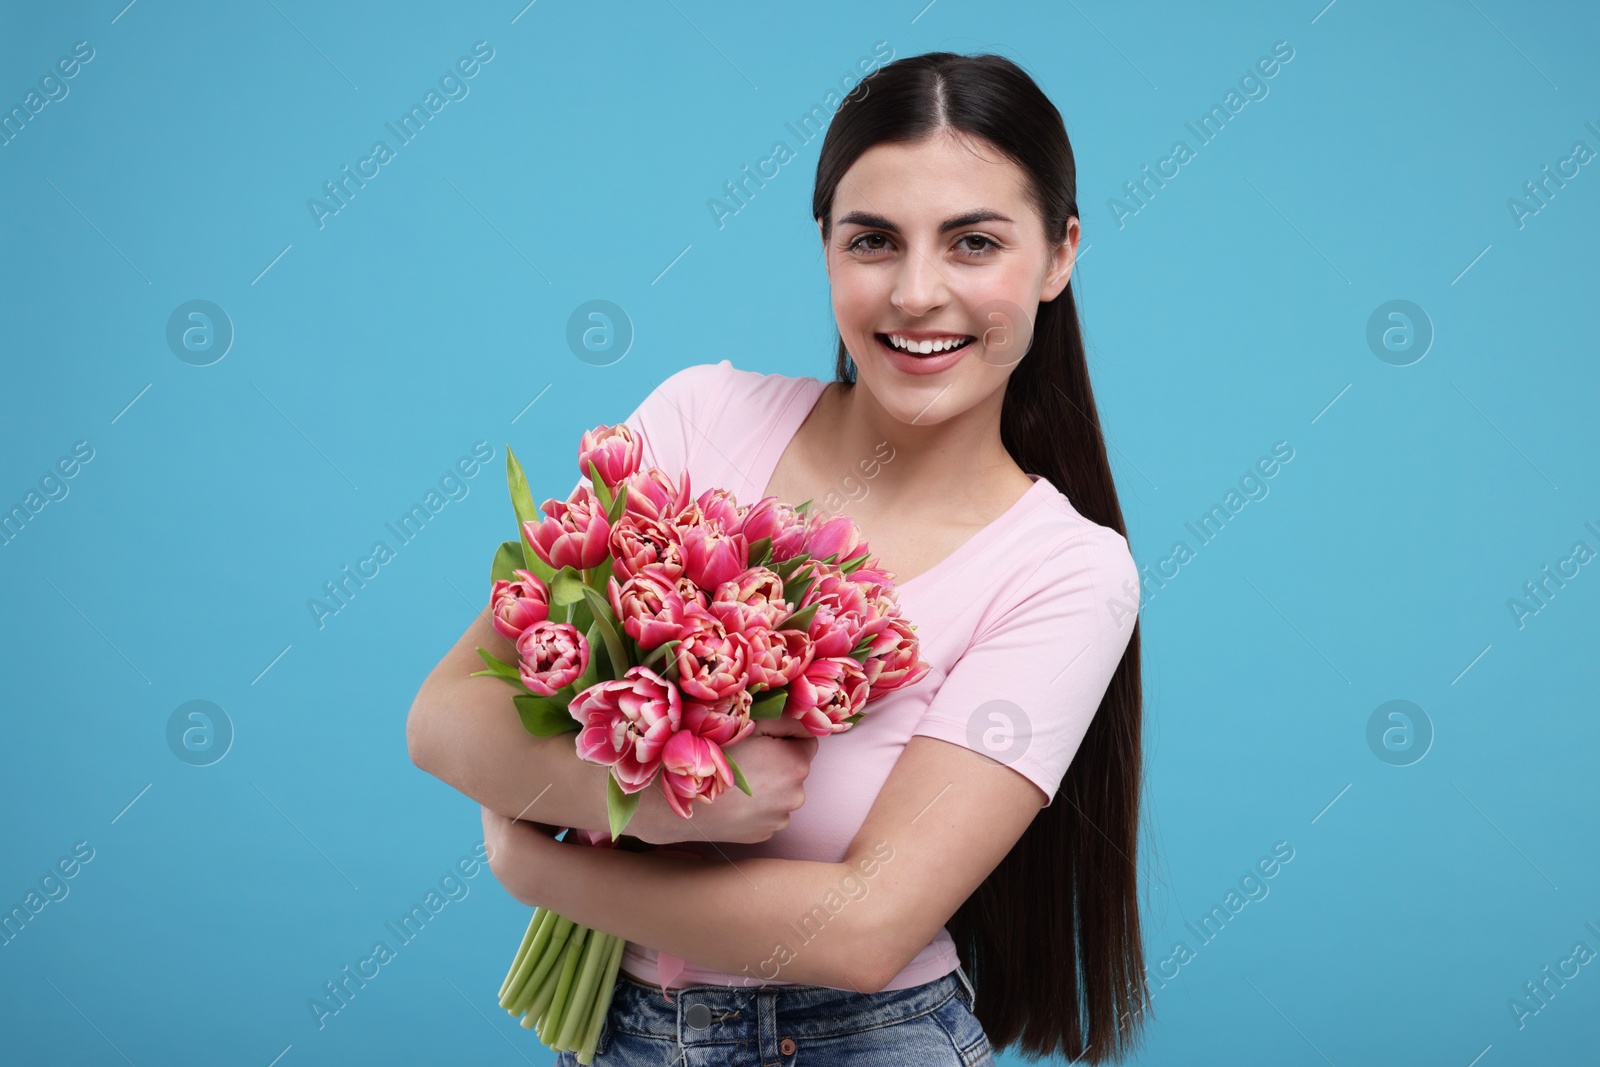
924, 348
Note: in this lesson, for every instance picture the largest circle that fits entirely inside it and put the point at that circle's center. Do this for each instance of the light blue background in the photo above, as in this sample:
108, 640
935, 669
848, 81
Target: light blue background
1227, 315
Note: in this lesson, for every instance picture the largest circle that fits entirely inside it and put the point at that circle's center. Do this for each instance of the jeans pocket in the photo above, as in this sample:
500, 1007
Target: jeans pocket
966, 1033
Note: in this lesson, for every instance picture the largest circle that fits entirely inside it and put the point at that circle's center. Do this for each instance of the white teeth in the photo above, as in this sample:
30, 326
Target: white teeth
926, 347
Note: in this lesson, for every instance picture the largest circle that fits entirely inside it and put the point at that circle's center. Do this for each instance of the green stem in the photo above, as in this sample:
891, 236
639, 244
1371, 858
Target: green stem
540, 915
560, 934
541, 1000
575, 1021
602, 1002
569, 970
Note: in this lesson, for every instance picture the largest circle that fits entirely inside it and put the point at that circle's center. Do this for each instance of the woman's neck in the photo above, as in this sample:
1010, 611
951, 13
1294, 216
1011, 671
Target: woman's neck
929, 459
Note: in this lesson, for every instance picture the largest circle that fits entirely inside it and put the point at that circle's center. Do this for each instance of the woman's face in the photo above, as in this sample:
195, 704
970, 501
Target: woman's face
936, 246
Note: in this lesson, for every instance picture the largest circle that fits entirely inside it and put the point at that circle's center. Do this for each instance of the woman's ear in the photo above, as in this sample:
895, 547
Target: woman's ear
1063, 257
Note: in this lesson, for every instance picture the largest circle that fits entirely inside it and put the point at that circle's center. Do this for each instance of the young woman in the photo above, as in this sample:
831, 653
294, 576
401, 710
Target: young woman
922, 908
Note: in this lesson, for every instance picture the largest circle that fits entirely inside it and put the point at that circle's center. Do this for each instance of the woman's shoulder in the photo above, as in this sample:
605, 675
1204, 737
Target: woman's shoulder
707, 388
1067, 547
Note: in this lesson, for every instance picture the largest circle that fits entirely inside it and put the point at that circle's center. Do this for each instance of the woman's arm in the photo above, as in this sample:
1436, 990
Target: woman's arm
945, 818
800, 921
466, 732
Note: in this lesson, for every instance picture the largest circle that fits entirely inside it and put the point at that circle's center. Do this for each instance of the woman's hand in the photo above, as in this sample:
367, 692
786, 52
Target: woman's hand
775, 759
516, 850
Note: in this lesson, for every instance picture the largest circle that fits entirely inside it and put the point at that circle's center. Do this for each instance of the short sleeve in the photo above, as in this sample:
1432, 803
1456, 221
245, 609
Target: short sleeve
1025, 690
667, 420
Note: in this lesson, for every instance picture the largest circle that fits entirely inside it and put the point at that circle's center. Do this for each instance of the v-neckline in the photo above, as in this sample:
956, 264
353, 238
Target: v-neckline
787, 426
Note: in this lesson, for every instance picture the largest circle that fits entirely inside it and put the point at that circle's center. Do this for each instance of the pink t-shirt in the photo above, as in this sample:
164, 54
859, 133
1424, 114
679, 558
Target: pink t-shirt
1022, 625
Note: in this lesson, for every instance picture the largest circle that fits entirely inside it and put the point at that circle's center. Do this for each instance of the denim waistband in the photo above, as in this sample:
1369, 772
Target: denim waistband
709, 1015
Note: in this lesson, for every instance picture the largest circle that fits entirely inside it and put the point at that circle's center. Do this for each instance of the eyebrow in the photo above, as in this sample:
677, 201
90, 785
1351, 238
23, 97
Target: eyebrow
878, 222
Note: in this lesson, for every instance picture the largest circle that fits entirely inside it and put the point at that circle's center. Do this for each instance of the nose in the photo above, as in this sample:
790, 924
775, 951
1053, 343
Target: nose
919, 287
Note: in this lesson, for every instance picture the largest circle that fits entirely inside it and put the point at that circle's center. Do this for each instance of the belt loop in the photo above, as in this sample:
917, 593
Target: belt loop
972, 995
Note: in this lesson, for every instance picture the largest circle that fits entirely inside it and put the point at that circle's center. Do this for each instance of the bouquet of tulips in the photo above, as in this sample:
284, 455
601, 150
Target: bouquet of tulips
658, 626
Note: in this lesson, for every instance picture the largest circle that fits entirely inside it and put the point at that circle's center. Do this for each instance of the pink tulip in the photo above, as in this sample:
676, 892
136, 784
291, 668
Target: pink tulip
516, 605
826, 693
611, 452
727, 721
649, 606
777, 657
638, 541
693, 768
652, 495
872, 577
711, 661
768, 517
843, 615
627, 723
574, 534
753, 599
720, 507
839, 534
711, 557
551, 655
893, 658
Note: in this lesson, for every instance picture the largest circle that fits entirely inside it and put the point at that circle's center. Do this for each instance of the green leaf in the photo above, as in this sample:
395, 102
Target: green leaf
738, 776
859, 654
544, 716
761, 552
800, 620
857, 717
497, 667
522, 503
591, 673
787, 567
614, 511
579, 615
770, 706
507, 558
599, 576
803, 507
620, 806
661, 654
566, 587
854, 564
601, 493
616, 650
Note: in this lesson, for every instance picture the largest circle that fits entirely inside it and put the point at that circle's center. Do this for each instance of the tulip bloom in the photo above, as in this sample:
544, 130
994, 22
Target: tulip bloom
574, 533
627, 723
551, 655
610, 452
516, 605
826, 693
693, 768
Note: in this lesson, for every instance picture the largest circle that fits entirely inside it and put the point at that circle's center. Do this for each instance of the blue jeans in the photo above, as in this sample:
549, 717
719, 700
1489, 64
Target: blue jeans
928, 1025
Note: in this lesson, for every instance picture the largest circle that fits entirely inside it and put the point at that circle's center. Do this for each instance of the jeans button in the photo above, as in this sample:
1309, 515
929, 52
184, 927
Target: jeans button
786, 1046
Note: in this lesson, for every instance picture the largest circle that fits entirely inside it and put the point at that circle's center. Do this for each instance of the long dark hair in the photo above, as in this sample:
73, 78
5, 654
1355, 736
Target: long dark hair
1051, 938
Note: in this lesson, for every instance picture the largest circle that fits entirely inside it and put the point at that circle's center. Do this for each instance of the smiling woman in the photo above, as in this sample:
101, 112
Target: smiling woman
994, 803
